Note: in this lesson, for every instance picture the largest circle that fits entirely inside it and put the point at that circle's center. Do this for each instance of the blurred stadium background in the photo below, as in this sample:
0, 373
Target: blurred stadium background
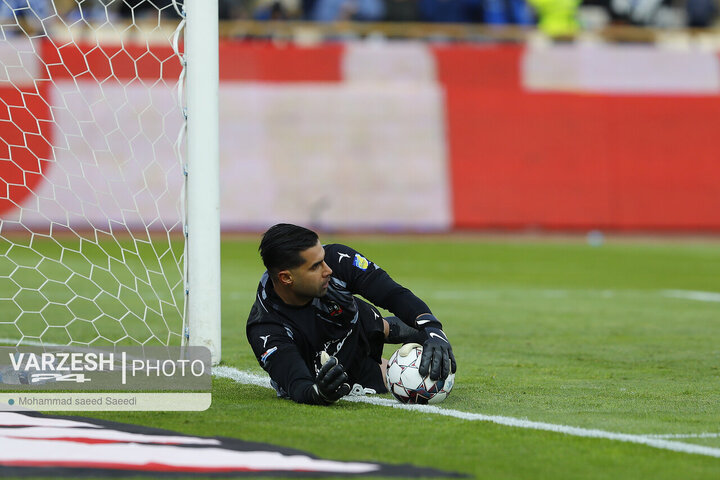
396, 117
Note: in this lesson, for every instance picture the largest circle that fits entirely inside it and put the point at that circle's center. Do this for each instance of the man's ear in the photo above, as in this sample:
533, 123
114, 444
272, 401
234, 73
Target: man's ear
285, 278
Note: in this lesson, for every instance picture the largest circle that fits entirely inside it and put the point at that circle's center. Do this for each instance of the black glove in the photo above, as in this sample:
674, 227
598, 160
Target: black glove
437, 357
331, 382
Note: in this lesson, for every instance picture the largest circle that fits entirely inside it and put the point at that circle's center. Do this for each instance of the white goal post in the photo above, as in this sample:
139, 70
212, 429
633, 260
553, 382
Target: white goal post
109, 173
203, 175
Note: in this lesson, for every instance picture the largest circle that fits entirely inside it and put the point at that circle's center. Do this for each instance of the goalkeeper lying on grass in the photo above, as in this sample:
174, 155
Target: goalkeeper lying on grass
305, 307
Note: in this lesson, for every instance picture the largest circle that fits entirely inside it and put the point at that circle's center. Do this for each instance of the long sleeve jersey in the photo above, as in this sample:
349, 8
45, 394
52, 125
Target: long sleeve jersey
287, 340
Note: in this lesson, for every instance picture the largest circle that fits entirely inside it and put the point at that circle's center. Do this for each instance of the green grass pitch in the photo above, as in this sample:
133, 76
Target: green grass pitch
550, 331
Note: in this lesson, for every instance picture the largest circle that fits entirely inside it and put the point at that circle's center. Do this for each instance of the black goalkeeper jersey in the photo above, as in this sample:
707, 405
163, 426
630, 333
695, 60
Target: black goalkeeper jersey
287, 340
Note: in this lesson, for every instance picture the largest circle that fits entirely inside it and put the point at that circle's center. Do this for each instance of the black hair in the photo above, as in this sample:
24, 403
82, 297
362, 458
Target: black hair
281, 245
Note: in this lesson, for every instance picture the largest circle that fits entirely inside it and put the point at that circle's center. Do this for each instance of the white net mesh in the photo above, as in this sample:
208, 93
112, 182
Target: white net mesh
91, 217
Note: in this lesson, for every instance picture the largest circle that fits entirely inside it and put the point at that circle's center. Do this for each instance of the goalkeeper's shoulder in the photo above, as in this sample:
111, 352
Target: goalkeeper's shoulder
263, 313
337, 253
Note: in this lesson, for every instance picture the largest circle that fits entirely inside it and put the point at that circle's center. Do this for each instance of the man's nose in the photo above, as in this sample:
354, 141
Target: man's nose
328, 270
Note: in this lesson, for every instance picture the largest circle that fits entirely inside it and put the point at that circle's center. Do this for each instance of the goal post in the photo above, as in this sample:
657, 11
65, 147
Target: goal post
203, 175
109, 176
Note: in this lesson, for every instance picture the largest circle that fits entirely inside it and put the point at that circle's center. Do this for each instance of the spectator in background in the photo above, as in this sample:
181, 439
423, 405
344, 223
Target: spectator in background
701, 13
147, 9
637, 12
276, 10
402, 11
235, 9
90, 11
493, 12
557, 18
503, 12
346, 10
307, 7
33, 11
451, 11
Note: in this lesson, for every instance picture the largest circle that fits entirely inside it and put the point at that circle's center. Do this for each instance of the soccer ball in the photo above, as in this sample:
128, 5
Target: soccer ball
406, 383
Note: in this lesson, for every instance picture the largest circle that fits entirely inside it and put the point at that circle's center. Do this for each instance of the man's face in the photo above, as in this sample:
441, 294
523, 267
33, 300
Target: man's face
311, 279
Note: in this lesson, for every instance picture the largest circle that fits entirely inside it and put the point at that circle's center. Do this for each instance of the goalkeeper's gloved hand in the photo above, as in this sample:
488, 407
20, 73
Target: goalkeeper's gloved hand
437, 358
331, 382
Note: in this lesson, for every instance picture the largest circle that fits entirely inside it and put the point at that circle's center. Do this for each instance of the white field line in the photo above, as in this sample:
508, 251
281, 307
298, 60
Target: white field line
684, 435
692, 295
246, 378
249, 378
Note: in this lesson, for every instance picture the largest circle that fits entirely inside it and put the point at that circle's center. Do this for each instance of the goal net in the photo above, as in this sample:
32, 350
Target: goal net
92, 173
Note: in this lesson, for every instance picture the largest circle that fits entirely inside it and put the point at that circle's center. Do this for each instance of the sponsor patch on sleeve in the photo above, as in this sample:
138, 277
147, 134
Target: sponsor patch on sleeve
360, 262
264, 357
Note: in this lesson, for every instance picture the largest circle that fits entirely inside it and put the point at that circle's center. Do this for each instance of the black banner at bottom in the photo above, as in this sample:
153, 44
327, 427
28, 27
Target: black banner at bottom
35, 444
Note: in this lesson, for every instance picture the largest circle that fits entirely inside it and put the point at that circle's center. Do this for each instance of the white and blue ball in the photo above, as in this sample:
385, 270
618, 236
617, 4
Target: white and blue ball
405, 382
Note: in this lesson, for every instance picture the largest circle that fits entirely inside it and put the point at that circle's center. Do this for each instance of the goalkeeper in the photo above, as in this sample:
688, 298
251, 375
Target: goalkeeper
315, 338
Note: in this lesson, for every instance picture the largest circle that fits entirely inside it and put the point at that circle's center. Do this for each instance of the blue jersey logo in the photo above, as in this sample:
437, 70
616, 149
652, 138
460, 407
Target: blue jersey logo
360, 262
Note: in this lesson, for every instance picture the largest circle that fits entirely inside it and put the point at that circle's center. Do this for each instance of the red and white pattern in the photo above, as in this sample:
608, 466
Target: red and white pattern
405, 136
34, 444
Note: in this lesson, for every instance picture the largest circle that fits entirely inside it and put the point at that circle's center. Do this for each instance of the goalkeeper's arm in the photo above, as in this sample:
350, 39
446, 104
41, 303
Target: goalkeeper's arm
287, 368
